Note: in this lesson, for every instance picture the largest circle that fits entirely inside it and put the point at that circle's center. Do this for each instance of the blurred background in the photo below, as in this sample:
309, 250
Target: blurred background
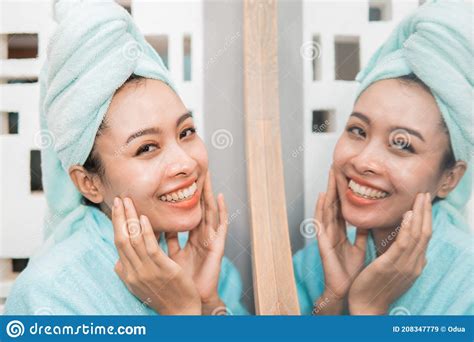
322, 46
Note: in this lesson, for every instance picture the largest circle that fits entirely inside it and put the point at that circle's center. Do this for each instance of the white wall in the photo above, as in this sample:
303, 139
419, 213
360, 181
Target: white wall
20, 210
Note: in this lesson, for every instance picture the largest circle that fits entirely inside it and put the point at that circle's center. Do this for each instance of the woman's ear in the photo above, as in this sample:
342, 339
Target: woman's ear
88, 184
451, 178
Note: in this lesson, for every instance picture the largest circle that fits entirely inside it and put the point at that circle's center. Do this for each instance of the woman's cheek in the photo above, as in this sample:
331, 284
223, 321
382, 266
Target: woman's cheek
198, 152
408, 178
342, 152
141, 182
117, 183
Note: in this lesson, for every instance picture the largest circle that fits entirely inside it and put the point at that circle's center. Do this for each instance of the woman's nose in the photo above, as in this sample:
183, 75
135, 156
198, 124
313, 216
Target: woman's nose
369, 160
179, 162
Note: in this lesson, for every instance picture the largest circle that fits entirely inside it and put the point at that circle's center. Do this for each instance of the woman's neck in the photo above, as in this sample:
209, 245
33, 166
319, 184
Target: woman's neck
106, 210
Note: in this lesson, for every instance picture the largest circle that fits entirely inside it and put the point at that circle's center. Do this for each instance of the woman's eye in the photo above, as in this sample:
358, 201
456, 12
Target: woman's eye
356, 130
187, 132
402, 146
400, 140
147, 148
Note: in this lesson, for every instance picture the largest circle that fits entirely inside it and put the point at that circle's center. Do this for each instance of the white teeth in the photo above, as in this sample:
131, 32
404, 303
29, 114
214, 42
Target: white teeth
356, 186
180, 195
365, 191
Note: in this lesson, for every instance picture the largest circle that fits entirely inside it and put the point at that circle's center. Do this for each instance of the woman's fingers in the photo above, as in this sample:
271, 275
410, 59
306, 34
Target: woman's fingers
330, 200
411, 224
123, 264
151, 243
120, 269
402, 241
121, 236
135, 229
319, 209
223, 220
417, 223
194, 236
321, 234
404, 249
426, 230
333, 221
427, 227
209, 203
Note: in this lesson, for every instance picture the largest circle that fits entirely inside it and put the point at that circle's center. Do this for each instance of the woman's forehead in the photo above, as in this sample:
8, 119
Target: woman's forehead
150, 103
396, 103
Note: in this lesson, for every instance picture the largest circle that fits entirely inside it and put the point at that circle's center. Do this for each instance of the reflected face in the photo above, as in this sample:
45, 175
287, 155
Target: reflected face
391, 149
151, 153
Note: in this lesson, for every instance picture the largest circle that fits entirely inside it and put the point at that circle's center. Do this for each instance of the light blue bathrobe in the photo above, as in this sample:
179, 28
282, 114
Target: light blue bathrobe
445, 286
76, 276
436, 44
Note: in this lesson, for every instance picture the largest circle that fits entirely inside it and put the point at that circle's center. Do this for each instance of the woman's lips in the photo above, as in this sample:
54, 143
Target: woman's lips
361, 201
363, 182
363, 195
188, 203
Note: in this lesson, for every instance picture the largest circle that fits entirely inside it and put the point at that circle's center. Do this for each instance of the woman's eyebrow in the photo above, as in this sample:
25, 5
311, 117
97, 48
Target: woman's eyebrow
361, 116
408, 130
146, 131
183, 117
366, 119
157, 130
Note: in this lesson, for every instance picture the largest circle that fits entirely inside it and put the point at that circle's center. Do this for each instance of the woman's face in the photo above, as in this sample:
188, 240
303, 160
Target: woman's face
391, 149
151, 153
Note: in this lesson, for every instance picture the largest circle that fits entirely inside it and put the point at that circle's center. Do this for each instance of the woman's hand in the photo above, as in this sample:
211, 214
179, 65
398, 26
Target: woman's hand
202, 256
342, 260
146, 270
394, 272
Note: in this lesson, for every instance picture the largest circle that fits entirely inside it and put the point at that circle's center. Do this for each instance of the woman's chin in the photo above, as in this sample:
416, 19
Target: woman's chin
354, 218
367, 222
362, 225
177, 224
175, 221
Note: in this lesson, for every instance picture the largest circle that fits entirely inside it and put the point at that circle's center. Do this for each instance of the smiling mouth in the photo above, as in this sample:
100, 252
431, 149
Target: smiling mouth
180, 195
366, 191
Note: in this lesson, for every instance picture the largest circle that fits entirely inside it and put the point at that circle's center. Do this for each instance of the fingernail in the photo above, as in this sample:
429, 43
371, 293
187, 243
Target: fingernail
142, 219
116, 202
429, 196
126, 201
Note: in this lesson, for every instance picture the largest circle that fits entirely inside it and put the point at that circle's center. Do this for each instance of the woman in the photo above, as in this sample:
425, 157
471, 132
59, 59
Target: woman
125, 150
400, 175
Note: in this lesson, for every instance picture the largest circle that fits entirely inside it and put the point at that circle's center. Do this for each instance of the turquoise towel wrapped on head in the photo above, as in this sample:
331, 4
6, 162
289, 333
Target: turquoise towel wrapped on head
436, 44
96, 47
